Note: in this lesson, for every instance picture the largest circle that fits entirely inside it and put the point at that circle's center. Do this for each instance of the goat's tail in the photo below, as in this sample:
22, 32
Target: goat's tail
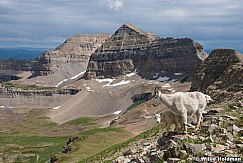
208, 98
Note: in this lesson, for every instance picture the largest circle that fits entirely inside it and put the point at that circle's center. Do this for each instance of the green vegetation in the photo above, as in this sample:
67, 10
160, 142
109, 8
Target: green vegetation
93, 141
36, 136
26, 87
82, 121
135, 104
111, 150
27, 140
235, 112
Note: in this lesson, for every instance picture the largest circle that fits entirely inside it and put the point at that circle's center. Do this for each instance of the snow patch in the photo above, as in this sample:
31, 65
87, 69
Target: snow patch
55, 108
105, 80
10, 107
173, 80
60, 83
89, 89
166, 85
164, 78
132, 73
76, 76
156, 75
117, 112
2, 106
123, 82
177, 73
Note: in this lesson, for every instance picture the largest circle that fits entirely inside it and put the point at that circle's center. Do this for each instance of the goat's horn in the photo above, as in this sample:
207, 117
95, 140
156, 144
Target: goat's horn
155, 89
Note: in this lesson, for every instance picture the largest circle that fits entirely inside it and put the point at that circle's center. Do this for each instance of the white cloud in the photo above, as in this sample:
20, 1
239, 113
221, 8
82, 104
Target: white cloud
114, 4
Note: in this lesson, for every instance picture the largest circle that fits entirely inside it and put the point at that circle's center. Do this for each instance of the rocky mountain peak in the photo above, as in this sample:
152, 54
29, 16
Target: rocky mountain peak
82, 44
220, 75
130, 48
75, 49
130, 30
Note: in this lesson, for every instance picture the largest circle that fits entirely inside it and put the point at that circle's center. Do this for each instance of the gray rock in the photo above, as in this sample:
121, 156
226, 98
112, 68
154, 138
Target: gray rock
239, 104
173, 160
229, 137
230, 117
129, 152
219, 148
182, 153
169, 144
122, 159
194, 148
213, 128
237, 130
146, 144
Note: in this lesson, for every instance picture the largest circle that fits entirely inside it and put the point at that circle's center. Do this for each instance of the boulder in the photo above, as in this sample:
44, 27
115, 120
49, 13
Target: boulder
194, 149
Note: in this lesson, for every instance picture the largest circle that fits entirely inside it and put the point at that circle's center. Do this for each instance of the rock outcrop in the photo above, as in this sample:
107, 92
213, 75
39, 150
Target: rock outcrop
130, 48
219, 140
17, 65
221, 75
11, 69
75, 49
11, 93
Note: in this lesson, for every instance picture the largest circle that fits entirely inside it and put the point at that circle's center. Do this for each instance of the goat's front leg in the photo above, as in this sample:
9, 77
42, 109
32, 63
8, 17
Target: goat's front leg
184, 120
177, 124
199, 117
167, 128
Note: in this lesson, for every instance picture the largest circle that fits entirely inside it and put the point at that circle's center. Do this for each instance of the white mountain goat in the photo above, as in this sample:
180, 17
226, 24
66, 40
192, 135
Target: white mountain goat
169, 119
183, 104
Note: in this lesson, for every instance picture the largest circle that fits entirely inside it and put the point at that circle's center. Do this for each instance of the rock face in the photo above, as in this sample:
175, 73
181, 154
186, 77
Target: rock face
75, 49
17, 65
130, 48
10, 69
221, 75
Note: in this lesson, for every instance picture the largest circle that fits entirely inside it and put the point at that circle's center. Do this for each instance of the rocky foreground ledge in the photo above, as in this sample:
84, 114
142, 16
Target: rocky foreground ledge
219, 139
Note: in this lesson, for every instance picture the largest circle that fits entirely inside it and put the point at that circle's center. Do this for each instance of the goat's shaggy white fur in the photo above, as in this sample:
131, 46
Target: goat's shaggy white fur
183, 104
169, 119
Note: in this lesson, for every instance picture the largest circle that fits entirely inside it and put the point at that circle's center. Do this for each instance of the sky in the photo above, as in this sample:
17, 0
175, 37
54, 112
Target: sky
48, 23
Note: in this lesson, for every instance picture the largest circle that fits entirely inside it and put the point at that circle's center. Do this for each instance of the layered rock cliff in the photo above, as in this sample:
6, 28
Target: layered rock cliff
75, 49
17, 65
130, 48
221, 75
12, 69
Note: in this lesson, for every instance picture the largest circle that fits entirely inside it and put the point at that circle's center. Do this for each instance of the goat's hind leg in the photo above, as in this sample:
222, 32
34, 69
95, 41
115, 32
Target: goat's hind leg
199, 117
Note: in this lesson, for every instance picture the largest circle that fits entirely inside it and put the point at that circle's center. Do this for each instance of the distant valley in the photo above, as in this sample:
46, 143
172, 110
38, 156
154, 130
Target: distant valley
21, 53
